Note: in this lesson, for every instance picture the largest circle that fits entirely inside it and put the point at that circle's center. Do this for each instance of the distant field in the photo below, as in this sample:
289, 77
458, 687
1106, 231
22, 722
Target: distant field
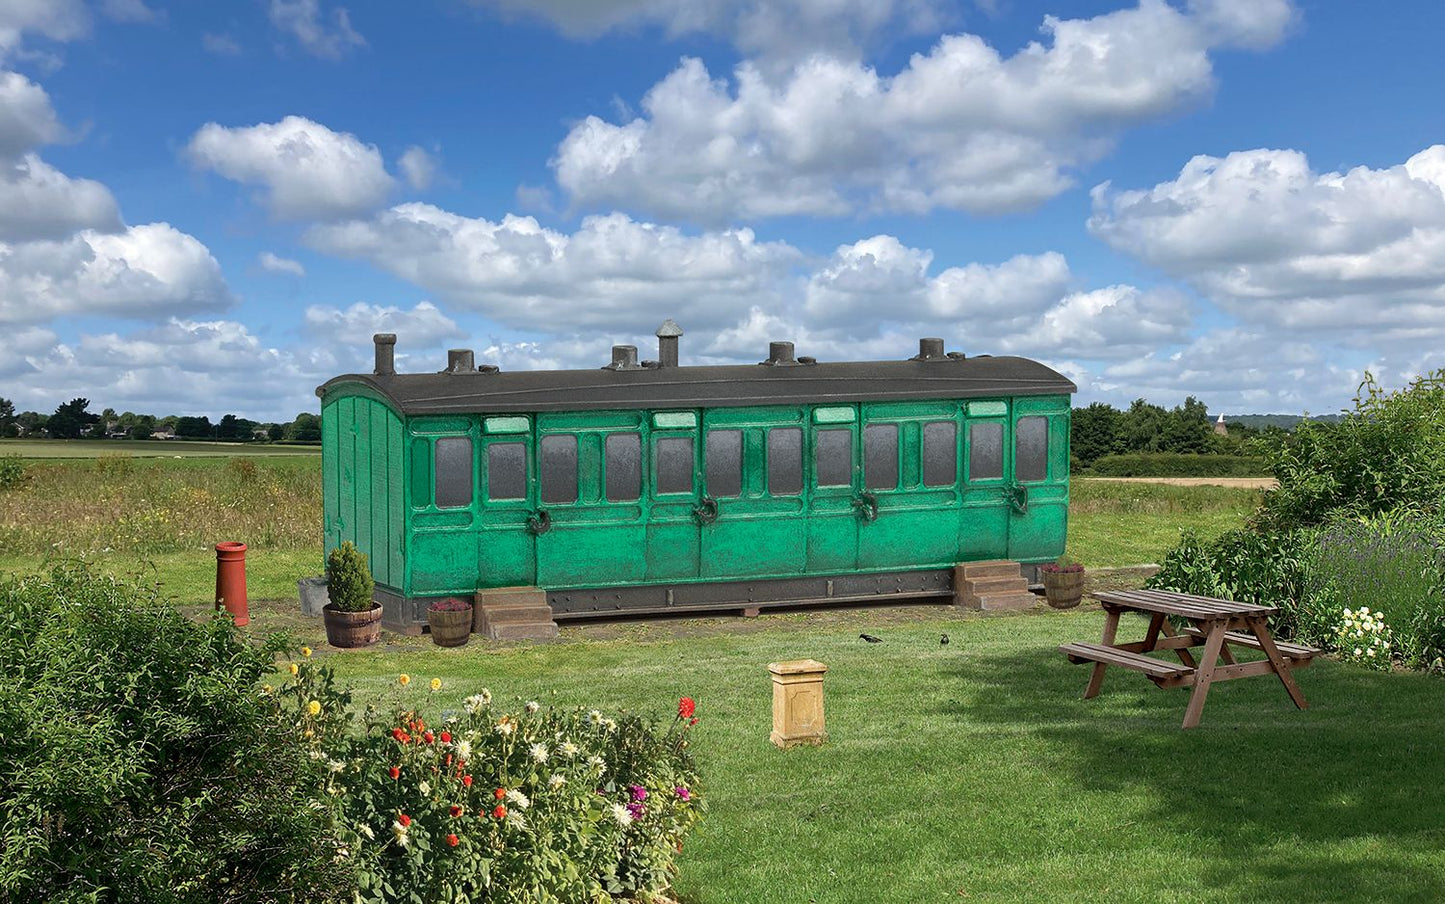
140, 448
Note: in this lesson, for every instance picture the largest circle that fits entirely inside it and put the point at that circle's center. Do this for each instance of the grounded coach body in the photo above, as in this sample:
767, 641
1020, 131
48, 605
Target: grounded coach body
645, 487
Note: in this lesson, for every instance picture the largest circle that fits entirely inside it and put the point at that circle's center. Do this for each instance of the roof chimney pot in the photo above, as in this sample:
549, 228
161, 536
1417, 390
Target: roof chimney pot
667, 336
385, 354
460, 361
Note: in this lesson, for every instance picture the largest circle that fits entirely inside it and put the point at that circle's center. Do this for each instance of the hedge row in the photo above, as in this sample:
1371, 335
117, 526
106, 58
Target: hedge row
1174, 464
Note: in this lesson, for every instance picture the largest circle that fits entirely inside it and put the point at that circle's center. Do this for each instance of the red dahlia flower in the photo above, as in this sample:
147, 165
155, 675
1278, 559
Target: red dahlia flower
686, 707
453, 840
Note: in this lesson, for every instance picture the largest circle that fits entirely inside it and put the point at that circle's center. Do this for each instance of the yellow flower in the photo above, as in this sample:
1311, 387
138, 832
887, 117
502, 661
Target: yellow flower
265, 688
436, 684
314, 707
403, 679
306, 651
293, 668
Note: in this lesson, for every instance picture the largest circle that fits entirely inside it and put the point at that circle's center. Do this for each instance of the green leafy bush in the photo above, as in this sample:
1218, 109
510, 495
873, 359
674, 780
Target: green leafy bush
348, 578
139, 763
493, 803
1386, 455
1173, 464
12, 471
1264, 569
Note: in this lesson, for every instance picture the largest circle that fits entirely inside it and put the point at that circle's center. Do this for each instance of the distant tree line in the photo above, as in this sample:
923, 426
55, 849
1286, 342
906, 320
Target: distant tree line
1100, 430
74, 420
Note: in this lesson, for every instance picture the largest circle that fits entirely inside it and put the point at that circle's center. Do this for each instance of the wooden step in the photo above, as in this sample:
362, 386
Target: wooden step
1160, 672
523, 631
985, 586
991, 585
513, 613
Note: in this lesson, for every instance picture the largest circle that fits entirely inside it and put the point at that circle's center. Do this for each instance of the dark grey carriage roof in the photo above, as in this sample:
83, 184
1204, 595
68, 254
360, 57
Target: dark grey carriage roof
719, 386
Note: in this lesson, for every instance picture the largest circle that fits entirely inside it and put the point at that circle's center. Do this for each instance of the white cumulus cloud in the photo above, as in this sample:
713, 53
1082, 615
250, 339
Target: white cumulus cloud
38, 201
307, 170
418, 167
960, 127
59, 20
142, 272
27, 119
1359, 253
353, 327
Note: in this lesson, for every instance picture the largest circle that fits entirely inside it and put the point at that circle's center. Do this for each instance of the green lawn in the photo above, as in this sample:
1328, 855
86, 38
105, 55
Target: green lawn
171, 448
975, 771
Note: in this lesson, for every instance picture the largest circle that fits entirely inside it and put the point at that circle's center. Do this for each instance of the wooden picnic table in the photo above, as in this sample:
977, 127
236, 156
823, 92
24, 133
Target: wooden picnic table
1215, 624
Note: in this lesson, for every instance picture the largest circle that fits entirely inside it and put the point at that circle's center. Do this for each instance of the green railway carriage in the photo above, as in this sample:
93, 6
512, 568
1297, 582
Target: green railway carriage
651, 487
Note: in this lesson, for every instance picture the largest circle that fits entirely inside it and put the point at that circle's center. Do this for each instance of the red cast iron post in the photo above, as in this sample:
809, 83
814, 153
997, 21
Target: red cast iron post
231, 581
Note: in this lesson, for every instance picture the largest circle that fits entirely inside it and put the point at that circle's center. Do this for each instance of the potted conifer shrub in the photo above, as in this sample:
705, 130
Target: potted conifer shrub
450, 620
1063, 584
353, 618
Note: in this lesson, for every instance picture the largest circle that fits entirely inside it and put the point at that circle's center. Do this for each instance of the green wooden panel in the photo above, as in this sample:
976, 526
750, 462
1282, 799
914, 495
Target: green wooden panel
362, 481
433, 424
763, 415
987, 409
421, 482
330, 478
443, 561
1041, 405
983, 531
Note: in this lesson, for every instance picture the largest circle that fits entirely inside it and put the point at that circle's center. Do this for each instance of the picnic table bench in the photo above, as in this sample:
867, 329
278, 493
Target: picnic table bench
1214, 624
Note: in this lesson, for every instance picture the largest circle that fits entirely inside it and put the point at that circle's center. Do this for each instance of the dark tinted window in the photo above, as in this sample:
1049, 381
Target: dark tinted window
559, 469
833, 456
880, 456
506, 471
985, 450
940, 454
1031, 448
674, 464
724, 462
624, 467
785, 461
454, 471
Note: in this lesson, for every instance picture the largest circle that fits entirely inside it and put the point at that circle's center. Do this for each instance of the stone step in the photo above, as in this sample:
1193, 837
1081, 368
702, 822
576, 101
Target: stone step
981, 586
523, 631
996, 568
993, 602
509, 615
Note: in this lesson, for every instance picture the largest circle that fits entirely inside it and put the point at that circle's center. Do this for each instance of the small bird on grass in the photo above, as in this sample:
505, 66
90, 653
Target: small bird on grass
870, 638
943, 641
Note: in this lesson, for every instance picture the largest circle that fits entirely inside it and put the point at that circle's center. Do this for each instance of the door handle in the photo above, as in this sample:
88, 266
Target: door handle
1018, 498
705, 512
539, 522
867, 506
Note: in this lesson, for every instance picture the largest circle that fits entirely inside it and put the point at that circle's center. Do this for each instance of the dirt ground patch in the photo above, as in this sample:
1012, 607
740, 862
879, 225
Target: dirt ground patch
1247, 483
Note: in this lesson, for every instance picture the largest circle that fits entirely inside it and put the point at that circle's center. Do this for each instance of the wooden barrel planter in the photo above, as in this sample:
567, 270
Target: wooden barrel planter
349, 630
450, 621
1063, 589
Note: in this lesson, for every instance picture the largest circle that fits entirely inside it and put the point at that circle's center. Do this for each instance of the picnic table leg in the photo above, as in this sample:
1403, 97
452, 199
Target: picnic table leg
1204, 673
1185, 656
1281, 665
1111, 628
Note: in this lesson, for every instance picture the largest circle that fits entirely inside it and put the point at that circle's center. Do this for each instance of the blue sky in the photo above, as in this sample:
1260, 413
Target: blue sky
209, 208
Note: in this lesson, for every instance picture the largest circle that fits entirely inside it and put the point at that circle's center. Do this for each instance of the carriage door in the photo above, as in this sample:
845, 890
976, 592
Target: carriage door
1039, 482
507, 556
989, 502
676, 502
910, 484
837, 507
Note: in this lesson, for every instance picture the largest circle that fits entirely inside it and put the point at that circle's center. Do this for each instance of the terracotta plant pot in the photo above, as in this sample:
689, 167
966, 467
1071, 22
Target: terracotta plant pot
450, 628
1063, 589
349, 630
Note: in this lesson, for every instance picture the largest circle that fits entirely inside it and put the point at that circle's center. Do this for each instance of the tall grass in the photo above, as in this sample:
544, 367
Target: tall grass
127, 505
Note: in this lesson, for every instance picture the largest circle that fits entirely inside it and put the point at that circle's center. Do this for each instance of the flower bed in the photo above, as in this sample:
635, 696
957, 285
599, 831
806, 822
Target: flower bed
500, 803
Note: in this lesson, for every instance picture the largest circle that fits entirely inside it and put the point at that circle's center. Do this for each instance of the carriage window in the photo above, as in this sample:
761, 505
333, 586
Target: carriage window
559, 468
985, 450
940, 454
724, 452
880, 456
785, 461
1031, 448
454, 471
673, 457
833, 457
624, 467
507, 471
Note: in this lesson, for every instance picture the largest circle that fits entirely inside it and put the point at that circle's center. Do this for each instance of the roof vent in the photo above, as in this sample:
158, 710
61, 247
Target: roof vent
667, 336
385, 354
930, 349
957, 356
624, 357
488, 369
460, 361
807, 359
780, 354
